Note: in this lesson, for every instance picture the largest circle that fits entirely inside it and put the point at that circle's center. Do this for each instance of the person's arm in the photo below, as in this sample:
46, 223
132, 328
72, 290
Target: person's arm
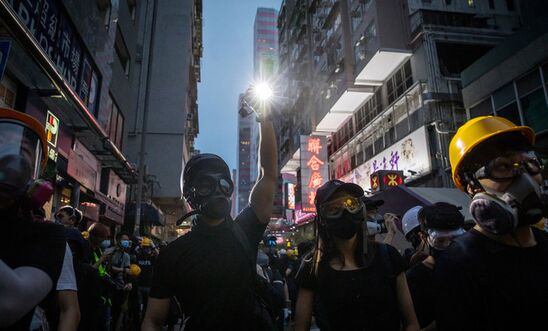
21, 289
405, 303
303, 314
69, 317
262, 194
156, 314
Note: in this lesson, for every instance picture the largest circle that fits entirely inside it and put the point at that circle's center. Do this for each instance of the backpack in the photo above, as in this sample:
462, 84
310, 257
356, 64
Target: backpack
264, 310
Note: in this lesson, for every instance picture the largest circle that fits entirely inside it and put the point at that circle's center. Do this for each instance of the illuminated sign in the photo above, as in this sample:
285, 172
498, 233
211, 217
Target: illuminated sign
314, 171
52, 132
290, 196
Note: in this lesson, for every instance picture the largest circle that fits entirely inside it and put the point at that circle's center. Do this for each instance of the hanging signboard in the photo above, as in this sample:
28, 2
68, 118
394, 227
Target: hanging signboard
314, 170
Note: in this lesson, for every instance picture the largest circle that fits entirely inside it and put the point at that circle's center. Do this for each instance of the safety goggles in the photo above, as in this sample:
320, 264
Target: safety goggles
335, 208
507, 168
206, 185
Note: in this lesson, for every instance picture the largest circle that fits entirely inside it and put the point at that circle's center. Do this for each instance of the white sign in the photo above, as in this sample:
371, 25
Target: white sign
410, 153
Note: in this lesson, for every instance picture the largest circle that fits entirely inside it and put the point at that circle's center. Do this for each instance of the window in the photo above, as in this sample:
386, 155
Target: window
122, 51
115, 123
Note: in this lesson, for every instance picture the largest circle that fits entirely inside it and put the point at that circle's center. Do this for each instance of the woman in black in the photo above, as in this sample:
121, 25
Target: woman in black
349, 282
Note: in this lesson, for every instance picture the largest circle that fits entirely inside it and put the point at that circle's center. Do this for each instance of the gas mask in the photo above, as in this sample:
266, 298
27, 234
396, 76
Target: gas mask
523, 203
343, 217
210, 195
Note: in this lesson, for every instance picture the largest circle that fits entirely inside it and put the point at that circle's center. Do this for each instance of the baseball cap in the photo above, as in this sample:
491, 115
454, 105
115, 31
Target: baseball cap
330, 187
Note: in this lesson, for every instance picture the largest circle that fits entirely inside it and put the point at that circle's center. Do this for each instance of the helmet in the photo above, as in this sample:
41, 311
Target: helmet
134, 270
145, 242
410, 220
476, 131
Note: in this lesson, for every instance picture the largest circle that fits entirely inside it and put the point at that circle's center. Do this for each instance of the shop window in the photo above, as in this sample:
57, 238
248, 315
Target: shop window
122, 51
483, 108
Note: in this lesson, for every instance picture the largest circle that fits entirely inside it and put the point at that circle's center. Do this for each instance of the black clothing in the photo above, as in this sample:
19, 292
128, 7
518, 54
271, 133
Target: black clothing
210, 274
362, 299
481, 284
419, 280
39, 245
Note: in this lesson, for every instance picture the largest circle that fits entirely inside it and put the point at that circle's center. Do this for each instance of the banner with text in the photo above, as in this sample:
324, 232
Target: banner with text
314, 169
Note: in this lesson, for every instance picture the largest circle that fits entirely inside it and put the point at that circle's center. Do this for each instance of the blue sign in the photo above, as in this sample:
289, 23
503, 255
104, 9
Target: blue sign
5, 46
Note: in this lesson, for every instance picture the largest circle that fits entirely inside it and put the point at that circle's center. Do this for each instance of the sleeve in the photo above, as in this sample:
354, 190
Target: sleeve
251, 226
47, 251
397, 261
67, 279
305, 277
162, 277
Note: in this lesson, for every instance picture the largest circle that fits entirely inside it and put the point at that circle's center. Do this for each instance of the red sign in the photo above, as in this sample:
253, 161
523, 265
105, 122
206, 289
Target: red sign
314, 172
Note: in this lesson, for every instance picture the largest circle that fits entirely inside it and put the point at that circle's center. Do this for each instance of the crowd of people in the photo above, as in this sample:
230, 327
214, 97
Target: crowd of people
225, 274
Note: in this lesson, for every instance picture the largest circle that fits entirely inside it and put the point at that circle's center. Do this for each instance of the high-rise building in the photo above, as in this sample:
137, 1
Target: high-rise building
381, 79
265, 66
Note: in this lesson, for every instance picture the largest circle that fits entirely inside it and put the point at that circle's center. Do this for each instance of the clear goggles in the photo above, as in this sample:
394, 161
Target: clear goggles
509, 167
335, 208
206, 185
441, 239
19, 142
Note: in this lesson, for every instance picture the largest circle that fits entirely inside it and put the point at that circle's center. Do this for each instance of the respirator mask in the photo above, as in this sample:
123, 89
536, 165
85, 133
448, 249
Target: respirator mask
524, 202
343, 216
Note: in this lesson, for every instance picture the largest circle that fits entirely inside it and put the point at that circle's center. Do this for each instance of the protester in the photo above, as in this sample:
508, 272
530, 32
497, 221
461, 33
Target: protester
211, 270
360, 283
31, 253
494, 276
439, 225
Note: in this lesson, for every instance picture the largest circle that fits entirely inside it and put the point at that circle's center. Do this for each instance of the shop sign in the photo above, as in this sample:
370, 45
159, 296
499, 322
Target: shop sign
314, 171
290, 196
50, 25
410, 153
82, 166
52, 132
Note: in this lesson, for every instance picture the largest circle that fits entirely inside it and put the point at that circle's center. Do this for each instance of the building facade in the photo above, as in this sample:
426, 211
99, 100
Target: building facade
381, 79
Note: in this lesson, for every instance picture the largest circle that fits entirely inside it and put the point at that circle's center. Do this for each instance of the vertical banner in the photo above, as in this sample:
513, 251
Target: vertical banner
314, 169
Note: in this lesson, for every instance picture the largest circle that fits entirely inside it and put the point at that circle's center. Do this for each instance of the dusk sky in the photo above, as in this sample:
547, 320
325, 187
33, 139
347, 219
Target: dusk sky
227, 70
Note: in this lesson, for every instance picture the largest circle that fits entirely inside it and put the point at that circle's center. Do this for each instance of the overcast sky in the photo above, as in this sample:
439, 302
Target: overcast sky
227, 70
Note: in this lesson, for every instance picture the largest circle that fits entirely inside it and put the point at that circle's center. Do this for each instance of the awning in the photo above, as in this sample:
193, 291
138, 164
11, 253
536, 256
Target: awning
381, 65
401, 198
150, 214
351, 99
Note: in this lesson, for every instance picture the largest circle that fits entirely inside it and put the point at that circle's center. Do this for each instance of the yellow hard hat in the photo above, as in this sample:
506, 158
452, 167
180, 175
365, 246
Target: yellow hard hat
134, 270
476, 131
145, 242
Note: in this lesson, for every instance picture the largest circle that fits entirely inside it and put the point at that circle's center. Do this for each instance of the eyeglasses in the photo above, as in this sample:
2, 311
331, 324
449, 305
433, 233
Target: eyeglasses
335, 208
206, 185
506, 168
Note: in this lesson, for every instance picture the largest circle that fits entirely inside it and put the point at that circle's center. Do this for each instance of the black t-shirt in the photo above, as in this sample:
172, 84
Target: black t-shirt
146, 263
481, 284
419, 280
363, 299
210, 274
39, 245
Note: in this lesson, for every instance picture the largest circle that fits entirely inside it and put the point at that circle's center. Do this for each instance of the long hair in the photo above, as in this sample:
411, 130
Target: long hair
325, 248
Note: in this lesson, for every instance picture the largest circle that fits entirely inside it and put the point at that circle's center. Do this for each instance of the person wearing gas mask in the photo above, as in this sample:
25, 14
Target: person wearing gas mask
31, 253
494, 276
439, 225
359, 284
211, 270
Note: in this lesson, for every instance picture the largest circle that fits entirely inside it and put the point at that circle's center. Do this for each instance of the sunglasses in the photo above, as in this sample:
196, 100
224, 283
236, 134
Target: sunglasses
505, 168
205, 186
335, 208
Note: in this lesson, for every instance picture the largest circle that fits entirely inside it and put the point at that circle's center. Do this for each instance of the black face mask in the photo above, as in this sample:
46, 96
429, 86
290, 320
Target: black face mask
346, 226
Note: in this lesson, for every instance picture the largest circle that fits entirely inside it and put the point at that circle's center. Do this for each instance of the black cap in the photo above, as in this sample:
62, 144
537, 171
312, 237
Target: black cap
204, 162
372, 203
329, 188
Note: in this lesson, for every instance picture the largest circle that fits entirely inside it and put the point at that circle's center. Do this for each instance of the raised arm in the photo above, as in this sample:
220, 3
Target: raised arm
262, 194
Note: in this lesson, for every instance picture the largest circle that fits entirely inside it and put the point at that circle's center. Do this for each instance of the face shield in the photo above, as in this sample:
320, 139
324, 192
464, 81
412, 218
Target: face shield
21, 155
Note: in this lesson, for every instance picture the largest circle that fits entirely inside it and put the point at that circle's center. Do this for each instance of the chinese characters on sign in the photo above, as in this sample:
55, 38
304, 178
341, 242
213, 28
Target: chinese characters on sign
52, 131
314, 170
